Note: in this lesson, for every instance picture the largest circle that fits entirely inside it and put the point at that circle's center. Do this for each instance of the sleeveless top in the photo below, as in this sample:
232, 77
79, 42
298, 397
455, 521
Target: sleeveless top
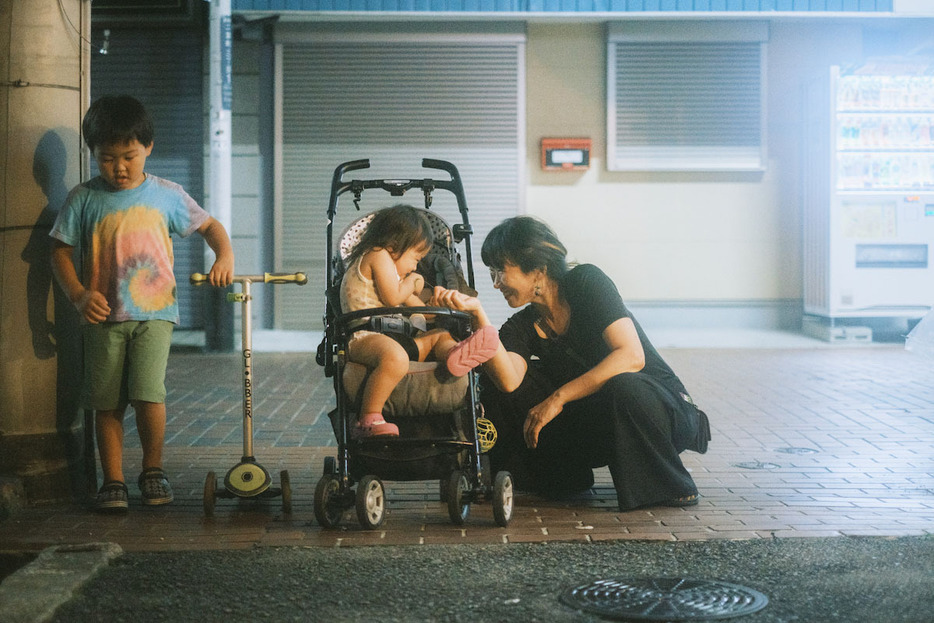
358, 292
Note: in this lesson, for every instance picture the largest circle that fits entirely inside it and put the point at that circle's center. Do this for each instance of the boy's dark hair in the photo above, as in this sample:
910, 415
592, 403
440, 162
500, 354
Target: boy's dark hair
527, 243
396, 229
116, 119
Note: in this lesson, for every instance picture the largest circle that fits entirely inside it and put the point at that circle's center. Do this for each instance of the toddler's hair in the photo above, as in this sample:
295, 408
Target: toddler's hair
396, 229
115, 120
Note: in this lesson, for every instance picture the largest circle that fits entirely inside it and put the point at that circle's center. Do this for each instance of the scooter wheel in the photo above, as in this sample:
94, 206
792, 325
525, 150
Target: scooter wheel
286, 491
458, 506
328, 504
371, 502
210, 494
502, 499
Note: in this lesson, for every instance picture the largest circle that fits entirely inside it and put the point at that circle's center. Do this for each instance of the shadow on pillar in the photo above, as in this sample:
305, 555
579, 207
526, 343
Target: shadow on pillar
50, 464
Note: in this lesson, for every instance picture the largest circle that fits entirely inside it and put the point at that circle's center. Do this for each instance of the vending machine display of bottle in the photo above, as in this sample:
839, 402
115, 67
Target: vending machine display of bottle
869, 192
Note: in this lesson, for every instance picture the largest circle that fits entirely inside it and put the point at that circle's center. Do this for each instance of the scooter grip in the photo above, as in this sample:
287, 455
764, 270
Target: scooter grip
296, 278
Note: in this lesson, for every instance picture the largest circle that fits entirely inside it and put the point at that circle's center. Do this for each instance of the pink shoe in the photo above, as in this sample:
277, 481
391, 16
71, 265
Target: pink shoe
373, 425
476, 349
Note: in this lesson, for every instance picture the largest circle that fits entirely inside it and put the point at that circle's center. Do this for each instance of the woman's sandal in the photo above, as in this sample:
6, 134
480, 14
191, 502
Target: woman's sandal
686, 500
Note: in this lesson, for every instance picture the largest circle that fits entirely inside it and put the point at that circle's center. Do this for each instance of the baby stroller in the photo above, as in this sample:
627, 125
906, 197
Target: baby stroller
437, 415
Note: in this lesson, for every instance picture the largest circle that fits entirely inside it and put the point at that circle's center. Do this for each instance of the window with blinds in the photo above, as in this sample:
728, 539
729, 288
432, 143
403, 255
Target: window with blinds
686, 99
393, 100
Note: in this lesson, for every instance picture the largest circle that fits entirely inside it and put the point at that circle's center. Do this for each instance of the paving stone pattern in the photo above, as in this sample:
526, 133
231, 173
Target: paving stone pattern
806, 442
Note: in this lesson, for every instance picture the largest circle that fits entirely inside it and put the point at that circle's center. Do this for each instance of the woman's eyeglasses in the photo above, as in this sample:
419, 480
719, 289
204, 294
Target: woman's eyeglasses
496, 274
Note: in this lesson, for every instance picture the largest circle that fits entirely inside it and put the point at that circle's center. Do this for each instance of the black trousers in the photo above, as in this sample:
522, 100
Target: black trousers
633, 425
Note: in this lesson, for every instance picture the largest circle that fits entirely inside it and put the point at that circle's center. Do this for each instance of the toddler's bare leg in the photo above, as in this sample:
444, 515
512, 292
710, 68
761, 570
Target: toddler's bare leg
436, 344
388, 363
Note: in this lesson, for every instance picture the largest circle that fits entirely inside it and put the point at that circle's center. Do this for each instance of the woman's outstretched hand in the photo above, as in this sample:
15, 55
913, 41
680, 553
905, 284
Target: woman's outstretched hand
539, 416
452, 299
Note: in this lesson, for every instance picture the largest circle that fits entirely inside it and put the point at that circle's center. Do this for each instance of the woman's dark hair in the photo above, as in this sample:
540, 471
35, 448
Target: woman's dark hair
527, 243
116, 119
396, 229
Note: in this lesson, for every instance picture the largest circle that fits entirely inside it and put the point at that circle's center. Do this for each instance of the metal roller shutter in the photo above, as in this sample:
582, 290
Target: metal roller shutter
163, 70
394, 102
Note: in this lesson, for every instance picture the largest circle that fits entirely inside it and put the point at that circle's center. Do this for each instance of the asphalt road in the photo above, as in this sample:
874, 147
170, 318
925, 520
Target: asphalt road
813, 580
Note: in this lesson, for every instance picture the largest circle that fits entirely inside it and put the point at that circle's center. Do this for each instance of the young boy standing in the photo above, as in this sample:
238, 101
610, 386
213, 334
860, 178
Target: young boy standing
113, 258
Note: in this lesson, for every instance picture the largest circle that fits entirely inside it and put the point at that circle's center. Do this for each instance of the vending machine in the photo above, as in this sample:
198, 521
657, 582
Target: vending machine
869, 192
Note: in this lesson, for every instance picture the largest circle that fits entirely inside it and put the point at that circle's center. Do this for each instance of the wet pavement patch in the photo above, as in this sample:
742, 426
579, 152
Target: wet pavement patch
794, 450
756, 465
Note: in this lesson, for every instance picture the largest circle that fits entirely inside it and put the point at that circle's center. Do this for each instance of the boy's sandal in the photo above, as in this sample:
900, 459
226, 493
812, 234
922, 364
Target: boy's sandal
686, 500
155, 487
112, 497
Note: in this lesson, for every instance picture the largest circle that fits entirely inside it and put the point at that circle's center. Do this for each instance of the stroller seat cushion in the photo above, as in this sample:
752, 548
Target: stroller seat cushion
427, 389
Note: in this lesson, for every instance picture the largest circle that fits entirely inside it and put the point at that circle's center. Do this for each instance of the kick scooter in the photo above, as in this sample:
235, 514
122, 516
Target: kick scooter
248, 479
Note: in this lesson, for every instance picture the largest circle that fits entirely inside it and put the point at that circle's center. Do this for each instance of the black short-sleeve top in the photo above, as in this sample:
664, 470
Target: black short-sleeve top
595, 304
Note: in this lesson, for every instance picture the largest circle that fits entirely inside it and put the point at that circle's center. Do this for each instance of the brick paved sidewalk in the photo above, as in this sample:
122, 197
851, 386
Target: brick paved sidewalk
806, 442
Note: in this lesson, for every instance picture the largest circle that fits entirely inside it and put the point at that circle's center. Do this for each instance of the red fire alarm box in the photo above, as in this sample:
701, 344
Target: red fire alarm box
565, 154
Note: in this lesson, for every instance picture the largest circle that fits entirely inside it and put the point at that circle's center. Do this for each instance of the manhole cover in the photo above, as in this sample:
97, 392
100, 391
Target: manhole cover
796, 450
664, 599
756, 465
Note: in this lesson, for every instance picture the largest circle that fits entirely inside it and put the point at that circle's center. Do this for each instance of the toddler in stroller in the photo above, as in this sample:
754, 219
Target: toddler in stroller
381, 273
399, 416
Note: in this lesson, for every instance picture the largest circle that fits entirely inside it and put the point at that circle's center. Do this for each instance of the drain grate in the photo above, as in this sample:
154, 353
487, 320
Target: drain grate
664, 599
757, 465
794, 450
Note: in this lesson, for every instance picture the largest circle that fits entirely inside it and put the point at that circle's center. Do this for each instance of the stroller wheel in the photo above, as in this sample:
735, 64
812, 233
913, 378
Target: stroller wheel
328, 507
458, 507
210, 494
502, 499
371, 502
286, 491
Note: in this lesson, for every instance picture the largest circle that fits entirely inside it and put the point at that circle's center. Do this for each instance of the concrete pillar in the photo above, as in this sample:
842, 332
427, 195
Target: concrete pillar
44, 47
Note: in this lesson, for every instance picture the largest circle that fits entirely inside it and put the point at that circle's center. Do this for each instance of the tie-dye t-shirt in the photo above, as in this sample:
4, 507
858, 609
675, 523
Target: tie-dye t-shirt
123, 244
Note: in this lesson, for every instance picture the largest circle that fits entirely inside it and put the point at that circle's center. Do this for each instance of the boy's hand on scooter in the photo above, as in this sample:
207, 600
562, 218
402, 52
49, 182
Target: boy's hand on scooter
222, 272
93, 306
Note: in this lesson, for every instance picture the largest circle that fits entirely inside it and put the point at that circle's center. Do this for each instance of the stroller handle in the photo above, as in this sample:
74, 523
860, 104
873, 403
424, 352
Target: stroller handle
396, 188
198, 279
441, 165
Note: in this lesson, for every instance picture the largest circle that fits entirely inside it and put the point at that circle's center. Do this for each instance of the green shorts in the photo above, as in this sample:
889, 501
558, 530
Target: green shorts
125, 362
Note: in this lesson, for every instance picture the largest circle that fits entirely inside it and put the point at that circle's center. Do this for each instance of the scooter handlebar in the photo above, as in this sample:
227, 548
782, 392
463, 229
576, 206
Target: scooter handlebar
298, 279
199, 279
